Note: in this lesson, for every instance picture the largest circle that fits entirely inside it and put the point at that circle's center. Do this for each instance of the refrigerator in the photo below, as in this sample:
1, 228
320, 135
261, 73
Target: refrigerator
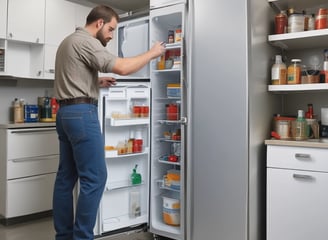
144, 124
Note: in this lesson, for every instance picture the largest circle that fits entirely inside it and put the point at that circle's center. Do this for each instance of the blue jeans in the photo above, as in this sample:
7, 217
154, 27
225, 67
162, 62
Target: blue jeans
81, 158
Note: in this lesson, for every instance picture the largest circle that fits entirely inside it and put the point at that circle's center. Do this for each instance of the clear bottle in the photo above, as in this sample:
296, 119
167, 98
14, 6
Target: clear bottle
294, 72
300, 126
278, 72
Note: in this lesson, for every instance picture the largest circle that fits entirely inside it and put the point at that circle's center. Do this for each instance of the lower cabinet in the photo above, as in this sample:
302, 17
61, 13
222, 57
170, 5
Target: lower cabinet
28, 163
29, 195
296, 197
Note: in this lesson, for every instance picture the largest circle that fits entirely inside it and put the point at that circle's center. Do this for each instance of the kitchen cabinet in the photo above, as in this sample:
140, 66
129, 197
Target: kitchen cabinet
54, 34
28, 163
23, 24
59, 21
3, 18
296, 197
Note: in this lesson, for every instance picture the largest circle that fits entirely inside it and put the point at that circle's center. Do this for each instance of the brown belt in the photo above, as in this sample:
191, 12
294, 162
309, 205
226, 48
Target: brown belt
78, 100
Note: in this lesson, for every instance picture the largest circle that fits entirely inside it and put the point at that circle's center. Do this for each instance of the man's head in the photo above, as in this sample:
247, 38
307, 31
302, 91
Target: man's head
101, 22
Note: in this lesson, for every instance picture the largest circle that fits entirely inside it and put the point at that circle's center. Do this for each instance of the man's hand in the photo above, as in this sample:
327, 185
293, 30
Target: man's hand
105, 82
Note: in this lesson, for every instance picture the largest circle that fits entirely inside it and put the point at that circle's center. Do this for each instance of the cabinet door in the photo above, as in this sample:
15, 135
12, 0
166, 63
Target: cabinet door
29, 195
49, 61
59, 21
3, 18
296, 205
25, 24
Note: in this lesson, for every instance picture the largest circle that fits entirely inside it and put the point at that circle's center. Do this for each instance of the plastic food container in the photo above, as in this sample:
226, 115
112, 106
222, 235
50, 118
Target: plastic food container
171, 211
173, 90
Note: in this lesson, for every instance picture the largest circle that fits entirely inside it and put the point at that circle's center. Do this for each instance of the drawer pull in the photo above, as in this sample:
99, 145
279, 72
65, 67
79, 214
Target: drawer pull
303, 156
39, 158
303, 176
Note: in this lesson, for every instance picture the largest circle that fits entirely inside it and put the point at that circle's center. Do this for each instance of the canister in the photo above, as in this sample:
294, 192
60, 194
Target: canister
296, 22
31, 113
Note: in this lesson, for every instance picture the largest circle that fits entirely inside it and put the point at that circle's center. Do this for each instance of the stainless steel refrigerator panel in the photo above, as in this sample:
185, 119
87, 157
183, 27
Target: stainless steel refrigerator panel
219, 119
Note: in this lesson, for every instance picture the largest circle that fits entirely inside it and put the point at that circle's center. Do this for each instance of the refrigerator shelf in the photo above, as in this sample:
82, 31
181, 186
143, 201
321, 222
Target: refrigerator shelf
162, 160
161, 185
169, 140
128, 121
177, 69
113, 154
170, 122
122, 185
114, 223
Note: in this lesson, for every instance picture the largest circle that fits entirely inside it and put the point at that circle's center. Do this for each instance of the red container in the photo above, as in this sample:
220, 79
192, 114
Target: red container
280, 23
172, 111
144, 111
321, 22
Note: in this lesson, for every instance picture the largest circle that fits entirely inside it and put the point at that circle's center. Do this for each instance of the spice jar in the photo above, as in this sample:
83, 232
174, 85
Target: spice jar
294, 72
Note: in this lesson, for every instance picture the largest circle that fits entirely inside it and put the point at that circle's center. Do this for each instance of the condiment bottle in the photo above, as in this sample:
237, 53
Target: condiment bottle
309, 113
300, 126
281, 22
135, 177
278, 72
18, 109
294, 72
130, 143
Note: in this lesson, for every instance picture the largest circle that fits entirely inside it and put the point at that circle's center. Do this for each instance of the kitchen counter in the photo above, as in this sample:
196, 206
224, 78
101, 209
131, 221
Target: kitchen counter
27, 125
317, 143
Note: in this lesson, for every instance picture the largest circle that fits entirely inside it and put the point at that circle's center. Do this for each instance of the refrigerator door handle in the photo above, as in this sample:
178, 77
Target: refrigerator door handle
184, 120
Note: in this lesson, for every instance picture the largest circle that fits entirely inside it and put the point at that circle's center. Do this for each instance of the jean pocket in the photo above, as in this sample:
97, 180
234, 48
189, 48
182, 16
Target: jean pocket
73, 125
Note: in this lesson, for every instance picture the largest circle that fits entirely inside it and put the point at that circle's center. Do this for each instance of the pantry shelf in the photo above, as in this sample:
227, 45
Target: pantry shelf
298, 87
300, 40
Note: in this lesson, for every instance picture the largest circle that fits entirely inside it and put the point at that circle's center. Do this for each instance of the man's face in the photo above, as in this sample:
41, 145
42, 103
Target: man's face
105, 33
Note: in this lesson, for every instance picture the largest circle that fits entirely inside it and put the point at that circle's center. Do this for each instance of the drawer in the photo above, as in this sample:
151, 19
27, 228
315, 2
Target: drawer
302, 158
29, 195
117, 93
24, 167
296, 205
140, 92
31, 142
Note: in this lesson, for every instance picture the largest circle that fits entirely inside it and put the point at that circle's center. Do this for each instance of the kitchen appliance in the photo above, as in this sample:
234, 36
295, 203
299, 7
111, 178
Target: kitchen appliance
144, 124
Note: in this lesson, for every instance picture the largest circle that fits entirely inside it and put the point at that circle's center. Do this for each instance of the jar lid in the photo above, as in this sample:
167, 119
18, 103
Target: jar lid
296, 60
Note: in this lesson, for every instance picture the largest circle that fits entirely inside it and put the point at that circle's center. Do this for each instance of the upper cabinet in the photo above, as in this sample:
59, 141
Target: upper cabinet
23, 24
59, 20
3, 18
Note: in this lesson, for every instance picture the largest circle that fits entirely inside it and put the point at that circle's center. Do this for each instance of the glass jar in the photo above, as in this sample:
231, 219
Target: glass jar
296, 22
294, 72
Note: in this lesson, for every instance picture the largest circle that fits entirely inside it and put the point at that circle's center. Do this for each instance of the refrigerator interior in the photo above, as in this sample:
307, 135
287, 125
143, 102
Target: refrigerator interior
125, 203
167, 127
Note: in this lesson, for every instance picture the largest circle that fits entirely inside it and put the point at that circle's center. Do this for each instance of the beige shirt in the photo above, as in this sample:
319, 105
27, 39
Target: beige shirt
79, 58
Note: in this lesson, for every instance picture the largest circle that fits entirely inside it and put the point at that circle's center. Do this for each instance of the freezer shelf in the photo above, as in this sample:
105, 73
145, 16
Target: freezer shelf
127, 122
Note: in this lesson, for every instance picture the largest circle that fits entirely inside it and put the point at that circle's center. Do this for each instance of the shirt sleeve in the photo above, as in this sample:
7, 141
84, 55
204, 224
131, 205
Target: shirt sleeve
97, 56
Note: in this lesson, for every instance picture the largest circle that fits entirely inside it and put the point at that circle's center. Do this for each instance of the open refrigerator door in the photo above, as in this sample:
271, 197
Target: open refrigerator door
168, 124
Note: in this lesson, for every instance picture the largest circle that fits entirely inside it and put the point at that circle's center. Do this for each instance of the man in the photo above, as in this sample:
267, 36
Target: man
79, 59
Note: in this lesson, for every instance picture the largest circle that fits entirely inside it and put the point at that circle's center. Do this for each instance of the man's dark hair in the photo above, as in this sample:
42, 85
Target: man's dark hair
102, 12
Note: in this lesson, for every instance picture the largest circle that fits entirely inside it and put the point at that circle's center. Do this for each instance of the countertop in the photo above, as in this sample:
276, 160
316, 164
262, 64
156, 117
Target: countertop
27, 125
317, 143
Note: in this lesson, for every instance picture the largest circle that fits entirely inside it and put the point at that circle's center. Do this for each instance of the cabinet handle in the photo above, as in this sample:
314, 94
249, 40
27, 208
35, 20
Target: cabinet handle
303, 156
38, 158
303, 176
51, 130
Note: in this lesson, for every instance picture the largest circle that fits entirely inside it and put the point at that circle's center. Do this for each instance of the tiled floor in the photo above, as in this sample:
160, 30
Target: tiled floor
43, 230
